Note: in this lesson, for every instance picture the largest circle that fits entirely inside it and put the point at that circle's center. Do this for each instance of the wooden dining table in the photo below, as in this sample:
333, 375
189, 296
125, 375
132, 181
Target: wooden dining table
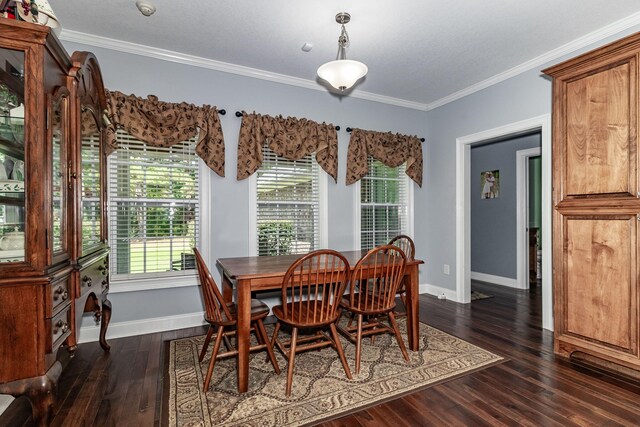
244, 275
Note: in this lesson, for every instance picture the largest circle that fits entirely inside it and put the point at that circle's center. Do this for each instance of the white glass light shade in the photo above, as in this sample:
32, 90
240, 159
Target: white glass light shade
342, 73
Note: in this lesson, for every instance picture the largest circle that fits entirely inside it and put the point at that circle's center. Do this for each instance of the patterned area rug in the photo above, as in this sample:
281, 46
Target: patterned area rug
320, 388
475, 295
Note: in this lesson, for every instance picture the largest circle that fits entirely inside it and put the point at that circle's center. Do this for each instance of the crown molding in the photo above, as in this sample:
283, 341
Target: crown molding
196, 61
554, 54
225, 67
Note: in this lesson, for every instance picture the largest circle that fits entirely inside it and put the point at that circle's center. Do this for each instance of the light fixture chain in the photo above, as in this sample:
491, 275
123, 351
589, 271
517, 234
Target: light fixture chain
344, 38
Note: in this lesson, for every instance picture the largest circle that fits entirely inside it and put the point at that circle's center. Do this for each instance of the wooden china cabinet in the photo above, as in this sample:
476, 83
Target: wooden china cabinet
53, 246
596, 197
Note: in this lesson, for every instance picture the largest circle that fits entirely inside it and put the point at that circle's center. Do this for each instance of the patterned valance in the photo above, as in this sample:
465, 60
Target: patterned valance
290, 138
391, 149
163, 124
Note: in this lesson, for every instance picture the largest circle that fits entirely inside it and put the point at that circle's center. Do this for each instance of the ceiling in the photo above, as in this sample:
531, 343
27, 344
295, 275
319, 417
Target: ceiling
417, 51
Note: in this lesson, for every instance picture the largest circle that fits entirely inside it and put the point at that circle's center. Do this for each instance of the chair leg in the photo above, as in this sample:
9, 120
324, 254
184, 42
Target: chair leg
274, 338
292, 356
262, 332
372, 320
351, 317
216, 347
343, 360
227, 343
359, 344
207, 340
394, 325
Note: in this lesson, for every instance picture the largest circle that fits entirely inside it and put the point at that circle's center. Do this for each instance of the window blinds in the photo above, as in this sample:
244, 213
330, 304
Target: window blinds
90, 153
153, 208
384, 204
287, 205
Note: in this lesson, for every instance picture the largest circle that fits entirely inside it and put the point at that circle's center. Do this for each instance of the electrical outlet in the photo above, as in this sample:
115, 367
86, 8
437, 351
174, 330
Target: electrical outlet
445, 269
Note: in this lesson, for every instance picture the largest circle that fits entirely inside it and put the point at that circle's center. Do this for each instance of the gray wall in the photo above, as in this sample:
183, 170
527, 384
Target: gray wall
230, 198
493, 221
521, 97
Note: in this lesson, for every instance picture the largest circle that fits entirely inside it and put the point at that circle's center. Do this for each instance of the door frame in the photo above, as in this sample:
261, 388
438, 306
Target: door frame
522, 215
463, 206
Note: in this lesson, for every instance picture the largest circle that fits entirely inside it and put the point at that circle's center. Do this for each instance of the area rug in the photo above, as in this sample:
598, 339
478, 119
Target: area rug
475, 295
320, 391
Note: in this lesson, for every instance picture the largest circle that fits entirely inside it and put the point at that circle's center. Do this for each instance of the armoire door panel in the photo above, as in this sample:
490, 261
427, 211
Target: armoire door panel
599, 293
601, 132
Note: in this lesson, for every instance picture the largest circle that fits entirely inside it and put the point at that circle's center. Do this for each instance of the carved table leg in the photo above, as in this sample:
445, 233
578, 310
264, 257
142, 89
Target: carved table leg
104, 324
41, 392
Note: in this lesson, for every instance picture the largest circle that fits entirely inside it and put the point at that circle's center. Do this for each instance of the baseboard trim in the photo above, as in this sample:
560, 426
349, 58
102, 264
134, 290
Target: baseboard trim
498, 280
450, 294
142, 326
91, 333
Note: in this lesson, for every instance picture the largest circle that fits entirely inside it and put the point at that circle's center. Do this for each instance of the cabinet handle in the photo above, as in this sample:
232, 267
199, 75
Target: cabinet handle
61, 325
70, 175
60, 292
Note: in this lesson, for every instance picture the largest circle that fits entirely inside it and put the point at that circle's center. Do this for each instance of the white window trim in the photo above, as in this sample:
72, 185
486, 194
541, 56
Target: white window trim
323, 212
206, 229
357, 214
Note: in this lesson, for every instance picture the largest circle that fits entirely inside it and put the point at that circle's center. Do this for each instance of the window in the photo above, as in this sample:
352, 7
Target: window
288, 206
153, 208
384, 204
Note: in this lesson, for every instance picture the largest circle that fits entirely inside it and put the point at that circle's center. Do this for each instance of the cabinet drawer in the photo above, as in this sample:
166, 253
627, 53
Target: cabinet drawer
60, 293
94, 277
60, 327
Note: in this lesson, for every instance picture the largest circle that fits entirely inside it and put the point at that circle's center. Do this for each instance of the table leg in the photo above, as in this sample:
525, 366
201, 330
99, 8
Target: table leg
244, 324
227, 289
413, 312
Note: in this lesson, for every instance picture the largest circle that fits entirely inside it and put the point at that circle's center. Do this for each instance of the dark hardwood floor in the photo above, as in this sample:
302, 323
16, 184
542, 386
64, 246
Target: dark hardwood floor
532, 388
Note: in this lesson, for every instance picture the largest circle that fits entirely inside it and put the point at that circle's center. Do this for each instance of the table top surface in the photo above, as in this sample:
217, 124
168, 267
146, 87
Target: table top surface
270, 266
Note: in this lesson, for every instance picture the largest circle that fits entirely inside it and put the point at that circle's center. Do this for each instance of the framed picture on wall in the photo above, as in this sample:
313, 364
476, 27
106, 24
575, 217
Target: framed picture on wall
490, 184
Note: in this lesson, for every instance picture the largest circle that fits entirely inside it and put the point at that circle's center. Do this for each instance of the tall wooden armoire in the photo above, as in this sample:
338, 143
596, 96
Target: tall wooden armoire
596, 211
53, 246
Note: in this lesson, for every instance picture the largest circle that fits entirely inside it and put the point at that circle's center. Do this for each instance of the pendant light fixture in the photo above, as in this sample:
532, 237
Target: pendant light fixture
342, 73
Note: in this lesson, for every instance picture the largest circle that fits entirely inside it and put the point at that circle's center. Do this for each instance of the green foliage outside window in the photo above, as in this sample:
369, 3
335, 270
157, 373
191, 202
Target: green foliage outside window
275, 237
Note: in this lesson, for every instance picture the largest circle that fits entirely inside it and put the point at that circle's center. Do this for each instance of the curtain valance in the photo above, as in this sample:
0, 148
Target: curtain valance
163, 124
290, 137
391, 149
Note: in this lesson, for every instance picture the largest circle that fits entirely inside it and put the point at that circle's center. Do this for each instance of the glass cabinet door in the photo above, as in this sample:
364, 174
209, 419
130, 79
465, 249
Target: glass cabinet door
12, 157
90, 181
59, 179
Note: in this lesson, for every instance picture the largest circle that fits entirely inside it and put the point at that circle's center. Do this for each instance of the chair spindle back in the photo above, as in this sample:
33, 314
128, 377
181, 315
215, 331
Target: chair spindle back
375, 279
313, 286
405, 243
217, 310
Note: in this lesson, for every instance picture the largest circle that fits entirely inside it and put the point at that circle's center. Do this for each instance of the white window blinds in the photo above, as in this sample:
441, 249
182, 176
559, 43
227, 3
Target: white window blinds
287, 197
91, 211
153, 208
383, 204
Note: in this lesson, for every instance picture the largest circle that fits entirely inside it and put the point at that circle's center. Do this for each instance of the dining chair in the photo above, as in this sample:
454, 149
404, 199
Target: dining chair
311, 291
222, 317
405, 243
372, 293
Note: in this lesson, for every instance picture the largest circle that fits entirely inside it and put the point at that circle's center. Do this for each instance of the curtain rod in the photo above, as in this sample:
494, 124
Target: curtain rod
239, 114
350, 129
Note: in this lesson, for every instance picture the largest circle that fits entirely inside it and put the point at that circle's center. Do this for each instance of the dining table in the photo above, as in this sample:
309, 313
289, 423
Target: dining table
243, 275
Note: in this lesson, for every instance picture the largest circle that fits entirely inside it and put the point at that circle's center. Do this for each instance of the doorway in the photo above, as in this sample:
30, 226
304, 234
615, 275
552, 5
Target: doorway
529, 216
541, 124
